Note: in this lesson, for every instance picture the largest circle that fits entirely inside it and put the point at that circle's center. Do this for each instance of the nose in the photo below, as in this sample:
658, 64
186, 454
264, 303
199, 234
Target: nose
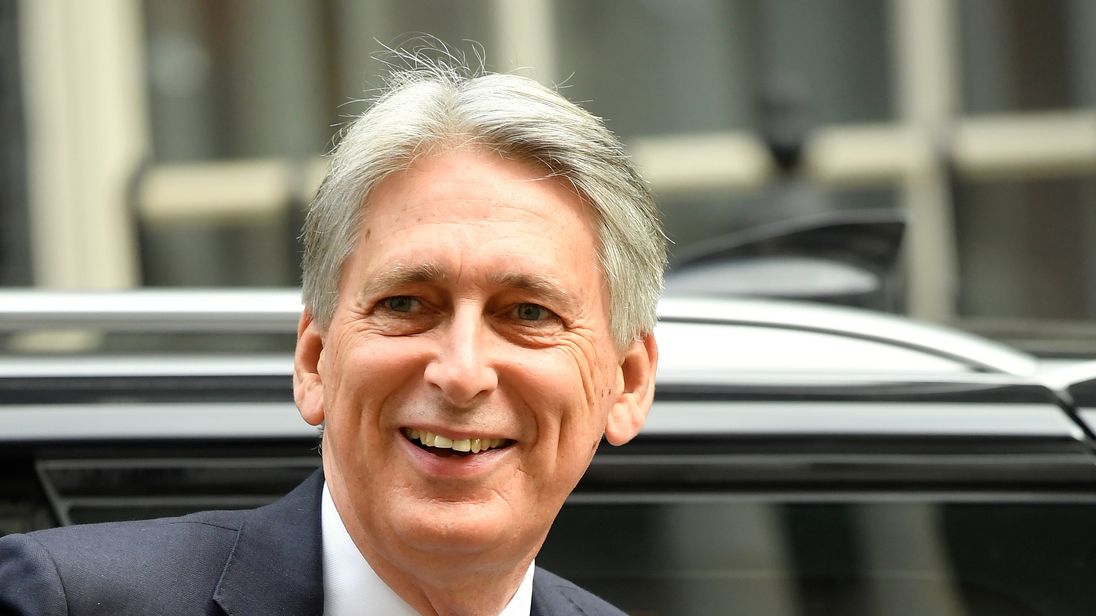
461, 370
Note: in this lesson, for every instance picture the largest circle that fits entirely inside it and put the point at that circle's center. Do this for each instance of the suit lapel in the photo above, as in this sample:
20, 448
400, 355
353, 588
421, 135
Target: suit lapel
276, 566
540, 605
547, 598
555, 596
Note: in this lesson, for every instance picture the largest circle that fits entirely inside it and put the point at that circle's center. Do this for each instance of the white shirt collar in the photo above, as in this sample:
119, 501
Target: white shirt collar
352, 588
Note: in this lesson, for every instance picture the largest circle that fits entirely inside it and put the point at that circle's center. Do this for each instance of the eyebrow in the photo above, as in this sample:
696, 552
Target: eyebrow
539, 285
399, 275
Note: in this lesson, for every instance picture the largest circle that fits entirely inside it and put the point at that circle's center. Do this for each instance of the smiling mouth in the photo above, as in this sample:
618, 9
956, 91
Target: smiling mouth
447, 447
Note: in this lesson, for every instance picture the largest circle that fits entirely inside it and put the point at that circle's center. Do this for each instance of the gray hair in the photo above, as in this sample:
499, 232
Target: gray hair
437, 105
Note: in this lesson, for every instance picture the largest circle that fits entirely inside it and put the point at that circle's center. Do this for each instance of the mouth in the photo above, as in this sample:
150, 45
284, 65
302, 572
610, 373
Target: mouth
446, 447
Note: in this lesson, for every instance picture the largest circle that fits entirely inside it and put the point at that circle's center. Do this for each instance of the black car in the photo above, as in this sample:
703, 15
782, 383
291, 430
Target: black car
799, 459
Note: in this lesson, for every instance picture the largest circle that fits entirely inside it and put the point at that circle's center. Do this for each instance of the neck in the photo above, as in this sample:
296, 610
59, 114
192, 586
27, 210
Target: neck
447, 592
439, 583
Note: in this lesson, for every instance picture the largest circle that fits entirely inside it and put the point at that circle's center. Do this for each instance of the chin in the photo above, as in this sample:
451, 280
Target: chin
467, 530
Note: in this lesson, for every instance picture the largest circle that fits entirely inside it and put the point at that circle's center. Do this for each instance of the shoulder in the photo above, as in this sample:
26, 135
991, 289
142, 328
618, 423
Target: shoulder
116, 563
170, 565
29, 583
553, 595
127, 544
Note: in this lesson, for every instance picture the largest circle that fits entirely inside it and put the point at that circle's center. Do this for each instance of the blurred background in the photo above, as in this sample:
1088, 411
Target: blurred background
162, 143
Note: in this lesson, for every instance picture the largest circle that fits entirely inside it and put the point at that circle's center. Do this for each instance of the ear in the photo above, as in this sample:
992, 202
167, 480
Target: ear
307, 386
637, 380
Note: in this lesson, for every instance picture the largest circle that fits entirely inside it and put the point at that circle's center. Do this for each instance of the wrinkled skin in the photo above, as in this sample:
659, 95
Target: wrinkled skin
472, 306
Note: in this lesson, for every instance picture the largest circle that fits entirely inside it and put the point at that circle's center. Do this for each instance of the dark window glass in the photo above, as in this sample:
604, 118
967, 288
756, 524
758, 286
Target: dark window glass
257, 78
657, 67
1025, 248
15, 265
709, 558
1021, 56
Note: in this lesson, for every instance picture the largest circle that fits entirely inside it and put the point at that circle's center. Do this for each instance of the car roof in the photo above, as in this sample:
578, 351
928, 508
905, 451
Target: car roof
902, 335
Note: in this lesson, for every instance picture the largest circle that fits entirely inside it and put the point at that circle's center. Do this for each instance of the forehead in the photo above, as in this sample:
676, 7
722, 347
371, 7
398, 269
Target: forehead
473, 207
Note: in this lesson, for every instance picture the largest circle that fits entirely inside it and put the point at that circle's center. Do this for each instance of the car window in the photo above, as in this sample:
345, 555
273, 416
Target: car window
711, 556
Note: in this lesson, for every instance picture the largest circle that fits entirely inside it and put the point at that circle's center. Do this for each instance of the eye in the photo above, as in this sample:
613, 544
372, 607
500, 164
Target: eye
400, 303
532, 312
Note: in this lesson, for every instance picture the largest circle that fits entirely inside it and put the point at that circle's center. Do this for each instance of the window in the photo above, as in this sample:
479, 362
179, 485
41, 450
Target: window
194, 149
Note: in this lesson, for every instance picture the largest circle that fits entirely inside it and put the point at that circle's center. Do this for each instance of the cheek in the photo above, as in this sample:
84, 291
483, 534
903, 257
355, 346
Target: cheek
594, 367
361, 373
568, 387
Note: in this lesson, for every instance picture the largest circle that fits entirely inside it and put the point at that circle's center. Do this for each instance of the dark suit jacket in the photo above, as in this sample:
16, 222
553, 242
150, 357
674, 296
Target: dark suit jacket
265, 561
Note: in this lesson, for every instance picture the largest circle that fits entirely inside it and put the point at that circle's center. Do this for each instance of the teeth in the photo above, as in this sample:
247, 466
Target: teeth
474, 445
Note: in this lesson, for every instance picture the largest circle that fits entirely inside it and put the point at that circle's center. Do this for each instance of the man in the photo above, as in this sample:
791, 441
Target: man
481, 269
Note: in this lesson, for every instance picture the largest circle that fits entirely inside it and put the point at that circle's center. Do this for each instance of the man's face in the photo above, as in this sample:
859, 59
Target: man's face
468, 373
